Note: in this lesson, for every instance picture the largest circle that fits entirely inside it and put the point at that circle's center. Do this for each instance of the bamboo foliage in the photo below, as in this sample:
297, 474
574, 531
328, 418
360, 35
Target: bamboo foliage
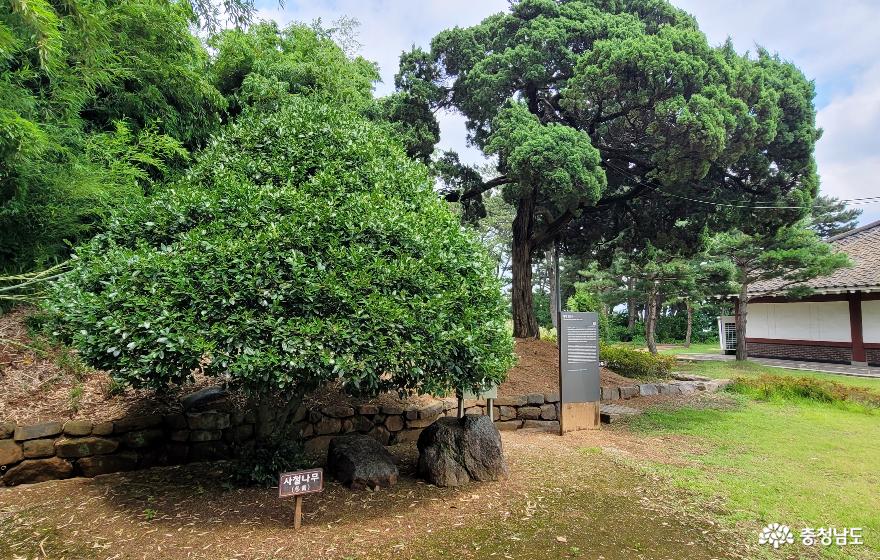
29, 287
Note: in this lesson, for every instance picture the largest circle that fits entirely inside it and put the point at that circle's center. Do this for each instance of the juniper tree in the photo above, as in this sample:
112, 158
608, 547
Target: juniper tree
610, 118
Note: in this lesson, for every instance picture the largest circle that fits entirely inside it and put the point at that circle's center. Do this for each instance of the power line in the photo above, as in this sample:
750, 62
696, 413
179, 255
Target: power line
857, 199
848, 201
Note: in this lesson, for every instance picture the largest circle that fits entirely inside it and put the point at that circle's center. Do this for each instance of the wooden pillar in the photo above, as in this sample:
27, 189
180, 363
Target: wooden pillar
574, 417
855, 326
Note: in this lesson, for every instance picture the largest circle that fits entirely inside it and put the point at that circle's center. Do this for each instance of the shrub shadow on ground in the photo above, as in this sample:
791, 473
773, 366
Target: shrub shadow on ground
558, 503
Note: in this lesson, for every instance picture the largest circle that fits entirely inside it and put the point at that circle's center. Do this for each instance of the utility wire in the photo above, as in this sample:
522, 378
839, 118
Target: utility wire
848, 201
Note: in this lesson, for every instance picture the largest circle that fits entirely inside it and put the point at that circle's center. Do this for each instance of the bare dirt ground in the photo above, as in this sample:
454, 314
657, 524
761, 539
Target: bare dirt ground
567, 497
39, 381
537, 370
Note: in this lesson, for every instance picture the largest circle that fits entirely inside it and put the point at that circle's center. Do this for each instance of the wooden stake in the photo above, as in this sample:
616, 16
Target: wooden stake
297, 515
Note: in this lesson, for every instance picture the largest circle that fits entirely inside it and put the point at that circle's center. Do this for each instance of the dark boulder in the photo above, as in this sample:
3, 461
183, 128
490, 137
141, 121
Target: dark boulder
359, 461
203, 397
454, 451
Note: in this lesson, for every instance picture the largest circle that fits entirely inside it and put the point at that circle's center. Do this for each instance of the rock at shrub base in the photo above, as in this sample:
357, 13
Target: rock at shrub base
202, 397
454, 451
37, 431
105, 464
84, 447
359, 461
7, 429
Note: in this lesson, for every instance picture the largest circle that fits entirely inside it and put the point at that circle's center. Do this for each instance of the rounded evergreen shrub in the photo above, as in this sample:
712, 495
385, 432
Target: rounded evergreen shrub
303, 247
638, 364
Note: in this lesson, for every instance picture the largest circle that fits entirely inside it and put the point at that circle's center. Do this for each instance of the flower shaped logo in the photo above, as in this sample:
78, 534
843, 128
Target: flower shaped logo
776, 535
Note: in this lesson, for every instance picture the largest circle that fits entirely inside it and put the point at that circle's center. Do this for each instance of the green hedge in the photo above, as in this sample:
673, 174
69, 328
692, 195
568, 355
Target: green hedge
782, 388
638, 364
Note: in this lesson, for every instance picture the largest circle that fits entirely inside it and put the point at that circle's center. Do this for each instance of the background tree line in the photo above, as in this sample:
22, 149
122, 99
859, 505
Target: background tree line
104, 100
665, 167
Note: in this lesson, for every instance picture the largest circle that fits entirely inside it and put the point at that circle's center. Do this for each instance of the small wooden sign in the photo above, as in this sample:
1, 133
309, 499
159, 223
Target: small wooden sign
297, 484
300, 482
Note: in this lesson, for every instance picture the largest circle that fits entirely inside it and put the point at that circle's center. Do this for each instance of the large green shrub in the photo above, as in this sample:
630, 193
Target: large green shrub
639, 364
303, 246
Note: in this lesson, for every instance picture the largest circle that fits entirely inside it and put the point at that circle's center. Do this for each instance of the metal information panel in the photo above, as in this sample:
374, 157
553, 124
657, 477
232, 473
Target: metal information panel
579, 357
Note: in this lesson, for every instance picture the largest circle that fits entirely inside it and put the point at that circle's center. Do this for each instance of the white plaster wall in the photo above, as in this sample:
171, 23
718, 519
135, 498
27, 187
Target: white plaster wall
821, 320
871, 321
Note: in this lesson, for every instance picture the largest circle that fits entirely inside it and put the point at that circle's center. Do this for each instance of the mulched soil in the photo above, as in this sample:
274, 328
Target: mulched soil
567, 497
537, 370
37, 380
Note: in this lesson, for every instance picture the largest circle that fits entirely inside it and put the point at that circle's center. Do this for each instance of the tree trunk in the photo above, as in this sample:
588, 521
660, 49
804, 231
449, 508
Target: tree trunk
690, 323
741, 320
631, 310
525, 324
651, 322
551, 268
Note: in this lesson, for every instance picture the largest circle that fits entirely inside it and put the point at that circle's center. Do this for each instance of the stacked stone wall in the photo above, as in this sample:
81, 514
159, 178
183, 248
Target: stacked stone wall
54, 450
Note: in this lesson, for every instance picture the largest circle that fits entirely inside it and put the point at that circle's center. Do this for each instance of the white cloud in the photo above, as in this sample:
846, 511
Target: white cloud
828, 40
851, 121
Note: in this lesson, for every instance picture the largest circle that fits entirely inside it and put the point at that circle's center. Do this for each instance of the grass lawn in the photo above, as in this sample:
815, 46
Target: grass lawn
800, 463
731, 369
695, 348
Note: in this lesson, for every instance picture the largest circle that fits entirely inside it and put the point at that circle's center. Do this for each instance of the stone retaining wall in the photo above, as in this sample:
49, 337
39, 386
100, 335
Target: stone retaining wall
873, 356
53, 450
683, 387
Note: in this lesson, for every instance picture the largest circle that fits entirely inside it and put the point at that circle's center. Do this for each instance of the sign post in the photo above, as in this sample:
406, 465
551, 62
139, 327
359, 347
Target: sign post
578, 371
297, 484
489, 394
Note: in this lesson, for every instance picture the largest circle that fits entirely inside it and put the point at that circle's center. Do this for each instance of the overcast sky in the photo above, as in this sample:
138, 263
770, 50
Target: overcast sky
837, 44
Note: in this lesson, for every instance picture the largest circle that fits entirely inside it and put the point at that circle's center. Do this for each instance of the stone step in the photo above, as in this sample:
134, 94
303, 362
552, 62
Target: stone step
689, 377
610, 413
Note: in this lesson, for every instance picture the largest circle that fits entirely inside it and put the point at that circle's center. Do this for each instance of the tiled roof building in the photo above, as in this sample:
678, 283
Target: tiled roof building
863, 247
840, 322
